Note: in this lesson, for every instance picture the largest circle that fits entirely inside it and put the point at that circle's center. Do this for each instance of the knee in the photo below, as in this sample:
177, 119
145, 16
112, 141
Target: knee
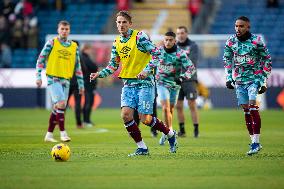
126, 116
166, 109
192, 104
146, 119
179, 106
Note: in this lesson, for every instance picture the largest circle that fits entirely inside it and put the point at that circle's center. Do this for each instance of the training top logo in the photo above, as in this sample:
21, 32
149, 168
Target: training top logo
125, 50
64, 54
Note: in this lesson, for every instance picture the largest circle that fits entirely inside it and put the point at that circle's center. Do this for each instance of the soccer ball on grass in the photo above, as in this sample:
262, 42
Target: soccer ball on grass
60, 152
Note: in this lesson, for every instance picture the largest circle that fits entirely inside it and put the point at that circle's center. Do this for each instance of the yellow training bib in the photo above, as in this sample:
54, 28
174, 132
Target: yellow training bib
132, 59
61, 60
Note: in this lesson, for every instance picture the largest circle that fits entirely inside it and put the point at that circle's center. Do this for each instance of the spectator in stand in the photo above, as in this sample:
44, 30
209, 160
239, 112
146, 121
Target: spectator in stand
32, 33
28, 9
272, 4
59, 5
5, 56
43, 4
7, 8
4, 30
26, 27
194, 7
18, 35
122, 5
24, 8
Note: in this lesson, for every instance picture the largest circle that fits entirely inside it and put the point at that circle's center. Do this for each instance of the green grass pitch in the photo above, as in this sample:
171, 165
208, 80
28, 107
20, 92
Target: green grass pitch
217, 159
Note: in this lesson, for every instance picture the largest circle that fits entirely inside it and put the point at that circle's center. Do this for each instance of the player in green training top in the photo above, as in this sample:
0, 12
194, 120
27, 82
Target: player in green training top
135, 51
174, 67
247, 64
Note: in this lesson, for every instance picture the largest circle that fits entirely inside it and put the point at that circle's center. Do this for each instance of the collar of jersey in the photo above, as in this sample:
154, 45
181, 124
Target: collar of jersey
129, 34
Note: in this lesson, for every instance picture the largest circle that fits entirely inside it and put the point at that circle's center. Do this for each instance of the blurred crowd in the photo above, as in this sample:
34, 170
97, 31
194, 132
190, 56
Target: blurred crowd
19, 24
18, 27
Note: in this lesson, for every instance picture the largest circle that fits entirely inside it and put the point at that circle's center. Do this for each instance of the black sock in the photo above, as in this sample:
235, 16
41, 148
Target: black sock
196, 130
181, 127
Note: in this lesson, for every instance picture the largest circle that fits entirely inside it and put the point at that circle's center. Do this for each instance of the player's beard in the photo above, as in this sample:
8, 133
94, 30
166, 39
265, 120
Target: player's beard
245, 36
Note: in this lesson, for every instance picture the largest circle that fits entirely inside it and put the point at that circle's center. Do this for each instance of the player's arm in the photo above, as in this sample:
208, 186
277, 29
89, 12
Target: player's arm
42, 58
153, 63
188, 66
79, 73
112, 66
193, 54
266, 63
146, 45
228, 64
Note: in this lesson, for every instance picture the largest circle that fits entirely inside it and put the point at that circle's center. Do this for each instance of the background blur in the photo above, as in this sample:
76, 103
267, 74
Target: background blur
26, 24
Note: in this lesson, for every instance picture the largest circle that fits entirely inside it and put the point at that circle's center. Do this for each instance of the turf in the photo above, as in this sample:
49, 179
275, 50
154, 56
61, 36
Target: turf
217, 159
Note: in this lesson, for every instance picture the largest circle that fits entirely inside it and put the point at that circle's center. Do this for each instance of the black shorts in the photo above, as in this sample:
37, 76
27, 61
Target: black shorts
188, 90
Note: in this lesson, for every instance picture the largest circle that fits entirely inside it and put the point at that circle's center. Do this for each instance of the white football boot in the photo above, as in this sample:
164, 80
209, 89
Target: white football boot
64, 137
49, 137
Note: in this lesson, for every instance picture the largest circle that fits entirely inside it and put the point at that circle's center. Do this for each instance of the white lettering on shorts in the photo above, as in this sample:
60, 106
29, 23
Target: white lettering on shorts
146, 105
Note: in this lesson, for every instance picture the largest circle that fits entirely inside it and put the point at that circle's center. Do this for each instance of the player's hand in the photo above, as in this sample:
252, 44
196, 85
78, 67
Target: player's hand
38, 83
81, 91
262, 89
179, 80
93, 76
142, 75
230, 84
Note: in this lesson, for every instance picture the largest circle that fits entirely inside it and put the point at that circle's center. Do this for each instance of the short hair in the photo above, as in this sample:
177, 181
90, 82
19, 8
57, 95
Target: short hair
243, 18
124, 14
183, 27
170, 33
64, 23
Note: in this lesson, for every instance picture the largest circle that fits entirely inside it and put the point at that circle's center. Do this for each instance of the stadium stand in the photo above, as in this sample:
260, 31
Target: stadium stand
24, 58
162, 14
91, 17
85, 18
266, 21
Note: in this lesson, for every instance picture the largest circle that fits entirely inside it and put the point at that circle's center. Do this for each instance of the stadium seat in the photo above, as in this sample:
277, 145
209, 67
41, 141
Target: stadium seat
269, 22
24, 58
94, 15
